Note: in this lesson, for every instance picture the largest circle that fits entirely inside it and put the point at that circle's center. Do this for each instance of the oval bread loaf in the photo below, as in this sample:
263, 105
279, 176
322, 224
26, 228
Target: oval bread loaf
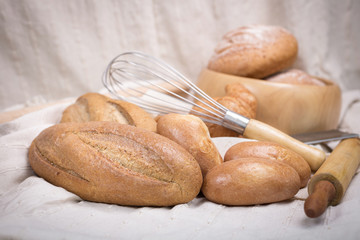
191, 132
116, 163
250, 181
273, 151
254, 51
98, 107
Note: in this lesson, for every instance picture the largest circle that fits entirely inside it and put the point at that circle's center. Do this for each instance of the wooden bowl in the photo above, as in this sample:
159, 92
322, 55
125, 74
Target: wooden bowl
290, 108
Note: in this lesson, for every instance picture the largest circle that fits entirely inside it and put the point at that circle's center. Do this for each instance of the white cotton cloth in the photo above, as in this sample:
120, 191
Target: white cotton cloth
32, 208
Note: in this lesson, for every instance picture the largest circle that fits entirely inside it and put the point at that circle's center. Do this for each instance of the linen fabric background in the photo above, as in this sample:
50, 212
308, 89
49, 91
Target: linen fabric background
57, 49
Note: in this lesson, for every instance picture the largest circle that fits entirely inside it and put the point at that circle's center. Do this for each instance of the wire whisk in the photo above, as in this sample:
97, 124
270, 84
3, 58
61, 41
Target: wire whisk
159, 88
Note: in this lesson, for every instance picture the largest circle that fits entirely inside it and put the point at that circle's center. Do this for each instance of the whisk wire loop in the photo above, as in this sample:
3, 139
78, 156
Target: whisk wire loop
126, 73
159, 88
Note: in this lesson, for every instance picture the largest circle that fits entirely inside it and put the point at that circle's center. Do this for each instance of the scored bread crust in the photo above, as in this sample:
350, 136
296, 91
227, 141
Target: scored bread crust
272, 151
297, 77
115, 163
254, 51
98, 107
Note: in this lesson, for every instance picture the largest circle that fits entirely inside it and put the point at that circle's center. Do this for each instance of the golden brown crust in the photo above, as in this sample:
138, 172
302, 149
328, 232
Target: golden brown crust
272, 151
97, 107
235, 105
191, 133
250, 181
254, 51
237, 99
242, 94
116, 163
297, 77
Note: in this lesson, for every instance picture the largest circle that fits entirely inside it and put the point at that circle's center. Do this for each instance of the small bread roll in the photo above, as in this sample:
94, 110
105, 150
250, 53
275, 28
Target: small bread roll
233, 104
254, 51
237, 99
272, 151
295, 76
116, 163
191, 133
97, 107
250, 181
241, 93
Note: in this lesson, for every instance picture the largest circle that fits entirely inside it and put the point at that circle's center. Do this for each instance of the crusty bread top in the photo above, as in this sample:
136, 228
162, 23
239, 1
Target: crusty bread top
97, 107
241, 93
249, 181
295, 76
115, 163
237, 99
254, 51
273, 151
191, 132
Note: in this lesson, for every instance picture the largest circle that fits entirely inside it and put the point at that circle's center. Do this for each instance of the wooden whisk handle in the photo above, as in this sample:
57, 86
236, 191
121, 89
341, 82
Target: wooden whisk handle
263, 132
316, 204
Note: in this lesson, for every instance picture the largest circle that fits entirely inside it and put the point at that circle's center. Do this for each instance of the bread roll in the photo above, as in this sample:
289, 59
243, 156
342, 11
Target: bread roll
297, 77
250, 181
191, 133
237, 99
272, 151
116, 163
241, 93
97, 107
254, 51
233, 104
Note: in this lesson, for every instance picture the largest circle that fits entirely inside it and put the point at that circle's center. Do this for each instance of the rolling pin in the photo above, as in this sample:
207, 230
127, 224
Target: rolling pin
329, 183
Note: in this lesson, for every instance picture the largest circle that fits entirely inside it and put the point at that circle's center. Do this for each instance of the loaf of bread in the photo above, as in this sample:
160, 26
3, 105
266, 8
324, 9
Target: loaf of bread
250, 181
191, 132
254, 51
272, 151
237, 99
97, 107
297, 77
116, 163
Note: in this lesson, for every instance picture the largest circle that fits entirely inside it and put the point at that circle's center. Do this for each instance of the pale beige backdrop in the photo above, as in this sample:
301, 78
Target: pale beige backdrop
56, 49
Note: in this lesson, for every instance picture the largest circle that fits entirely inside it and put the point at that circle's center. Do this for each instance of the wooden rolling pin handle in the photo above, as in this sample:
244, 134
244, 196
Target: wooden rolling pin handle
316, 204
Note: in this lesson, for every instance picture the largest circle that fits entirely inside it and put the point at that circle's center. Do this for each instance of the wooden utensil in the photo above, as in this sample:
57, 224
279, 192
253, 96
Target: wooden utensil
329, 183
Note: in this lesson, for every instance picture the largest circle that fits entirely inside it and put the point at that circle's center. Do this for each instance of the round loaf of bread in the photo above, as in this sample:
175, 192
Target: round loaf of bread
191, 132
254, 51
297, 77
271, 151
98, 107
116, 163
250, 181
